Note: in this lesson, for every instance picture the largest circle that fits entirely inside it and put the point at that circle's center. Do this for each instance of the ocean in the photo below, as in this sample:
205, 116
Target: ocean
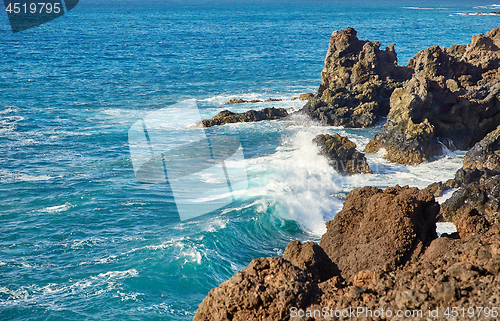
82, 239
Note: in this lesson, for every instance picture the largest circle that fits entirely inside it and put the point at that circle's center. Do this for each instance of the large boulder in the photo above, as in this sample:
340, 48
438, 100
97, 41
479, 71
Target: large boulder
228, 117
356, 82
342, 154
380, 228
452, 100
265, 290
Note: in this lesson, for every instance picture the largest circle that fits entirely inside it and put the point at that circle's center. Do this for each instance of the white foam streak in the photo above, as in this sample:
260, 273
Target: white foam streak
57, 209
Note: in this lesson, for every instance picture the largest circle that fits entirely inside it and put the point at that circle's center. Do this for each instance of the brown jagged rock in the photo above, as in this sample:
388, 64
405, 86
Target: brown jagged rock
471, 223
451, 272
264, 290
452, 100
485, 154
356, 82
380, 228
228, 117
342, 154
312, 259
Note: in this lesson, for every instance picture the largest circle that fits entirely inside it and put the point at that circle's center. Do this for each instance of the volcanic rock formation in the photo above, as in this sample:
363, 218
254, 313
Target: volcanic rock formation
342, 154
452, 100
356, 82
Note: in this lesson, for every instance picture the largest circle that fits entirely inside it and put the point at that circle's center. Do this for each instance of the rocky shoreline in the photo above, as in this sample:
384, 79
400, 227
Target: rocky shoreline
381, 251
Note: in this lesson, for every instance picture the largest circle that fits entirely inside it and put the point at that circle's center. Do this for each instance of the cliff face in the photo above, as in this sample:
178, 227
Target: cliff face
452, 99
477, 183
443, 97
356, 82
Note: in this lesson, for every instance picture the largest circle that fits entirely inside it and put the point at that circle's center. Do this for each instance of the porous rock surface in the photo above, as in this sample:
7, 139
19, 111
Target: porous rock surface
342, 154
265, 290
442, 273
384, 228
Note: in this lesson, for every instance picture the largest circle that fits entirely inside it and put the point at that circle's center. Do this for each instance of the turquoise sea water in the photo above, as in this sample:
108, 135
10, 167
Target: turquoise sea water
81, 238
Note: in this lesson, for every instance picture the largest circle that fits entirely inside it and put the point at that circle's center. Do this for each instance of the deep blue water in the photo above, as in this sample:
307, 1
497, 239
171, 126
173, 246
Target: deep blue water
81, 238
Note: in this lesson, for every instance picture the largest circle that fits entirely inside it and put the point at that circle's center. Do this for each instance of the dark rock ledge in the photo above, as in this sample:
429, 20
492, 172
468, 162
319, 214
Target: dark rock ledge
228, 117
242, 101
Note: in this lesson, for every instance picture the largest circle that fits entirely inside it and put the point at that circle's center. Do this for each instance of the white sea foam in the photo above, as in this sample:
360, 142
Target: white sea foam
192, 256
58, 208
50, 294
12, 176
445, 227
446, 195
298, 182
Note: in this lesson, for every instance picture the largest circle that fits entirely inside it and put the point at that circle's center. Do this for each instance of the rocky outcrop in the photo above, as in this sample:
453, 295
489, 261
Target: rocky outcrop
485, 154
265, 290
241, 101
452, 100
228, 117
356, 82
460, 273
306, 96
342, 154
380, 228
417, 272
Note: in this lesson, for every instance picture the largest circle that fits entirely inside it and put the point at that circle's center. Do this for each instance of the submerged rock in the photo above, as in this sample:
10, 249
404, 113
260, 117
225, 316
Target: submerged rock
452, 100
356, 82
228, 117
342, 154
380, 228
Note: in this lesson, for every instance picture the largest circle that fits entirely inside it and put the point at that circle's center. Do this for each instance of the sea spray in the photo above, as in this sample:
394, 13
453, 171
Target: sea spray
299, 180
